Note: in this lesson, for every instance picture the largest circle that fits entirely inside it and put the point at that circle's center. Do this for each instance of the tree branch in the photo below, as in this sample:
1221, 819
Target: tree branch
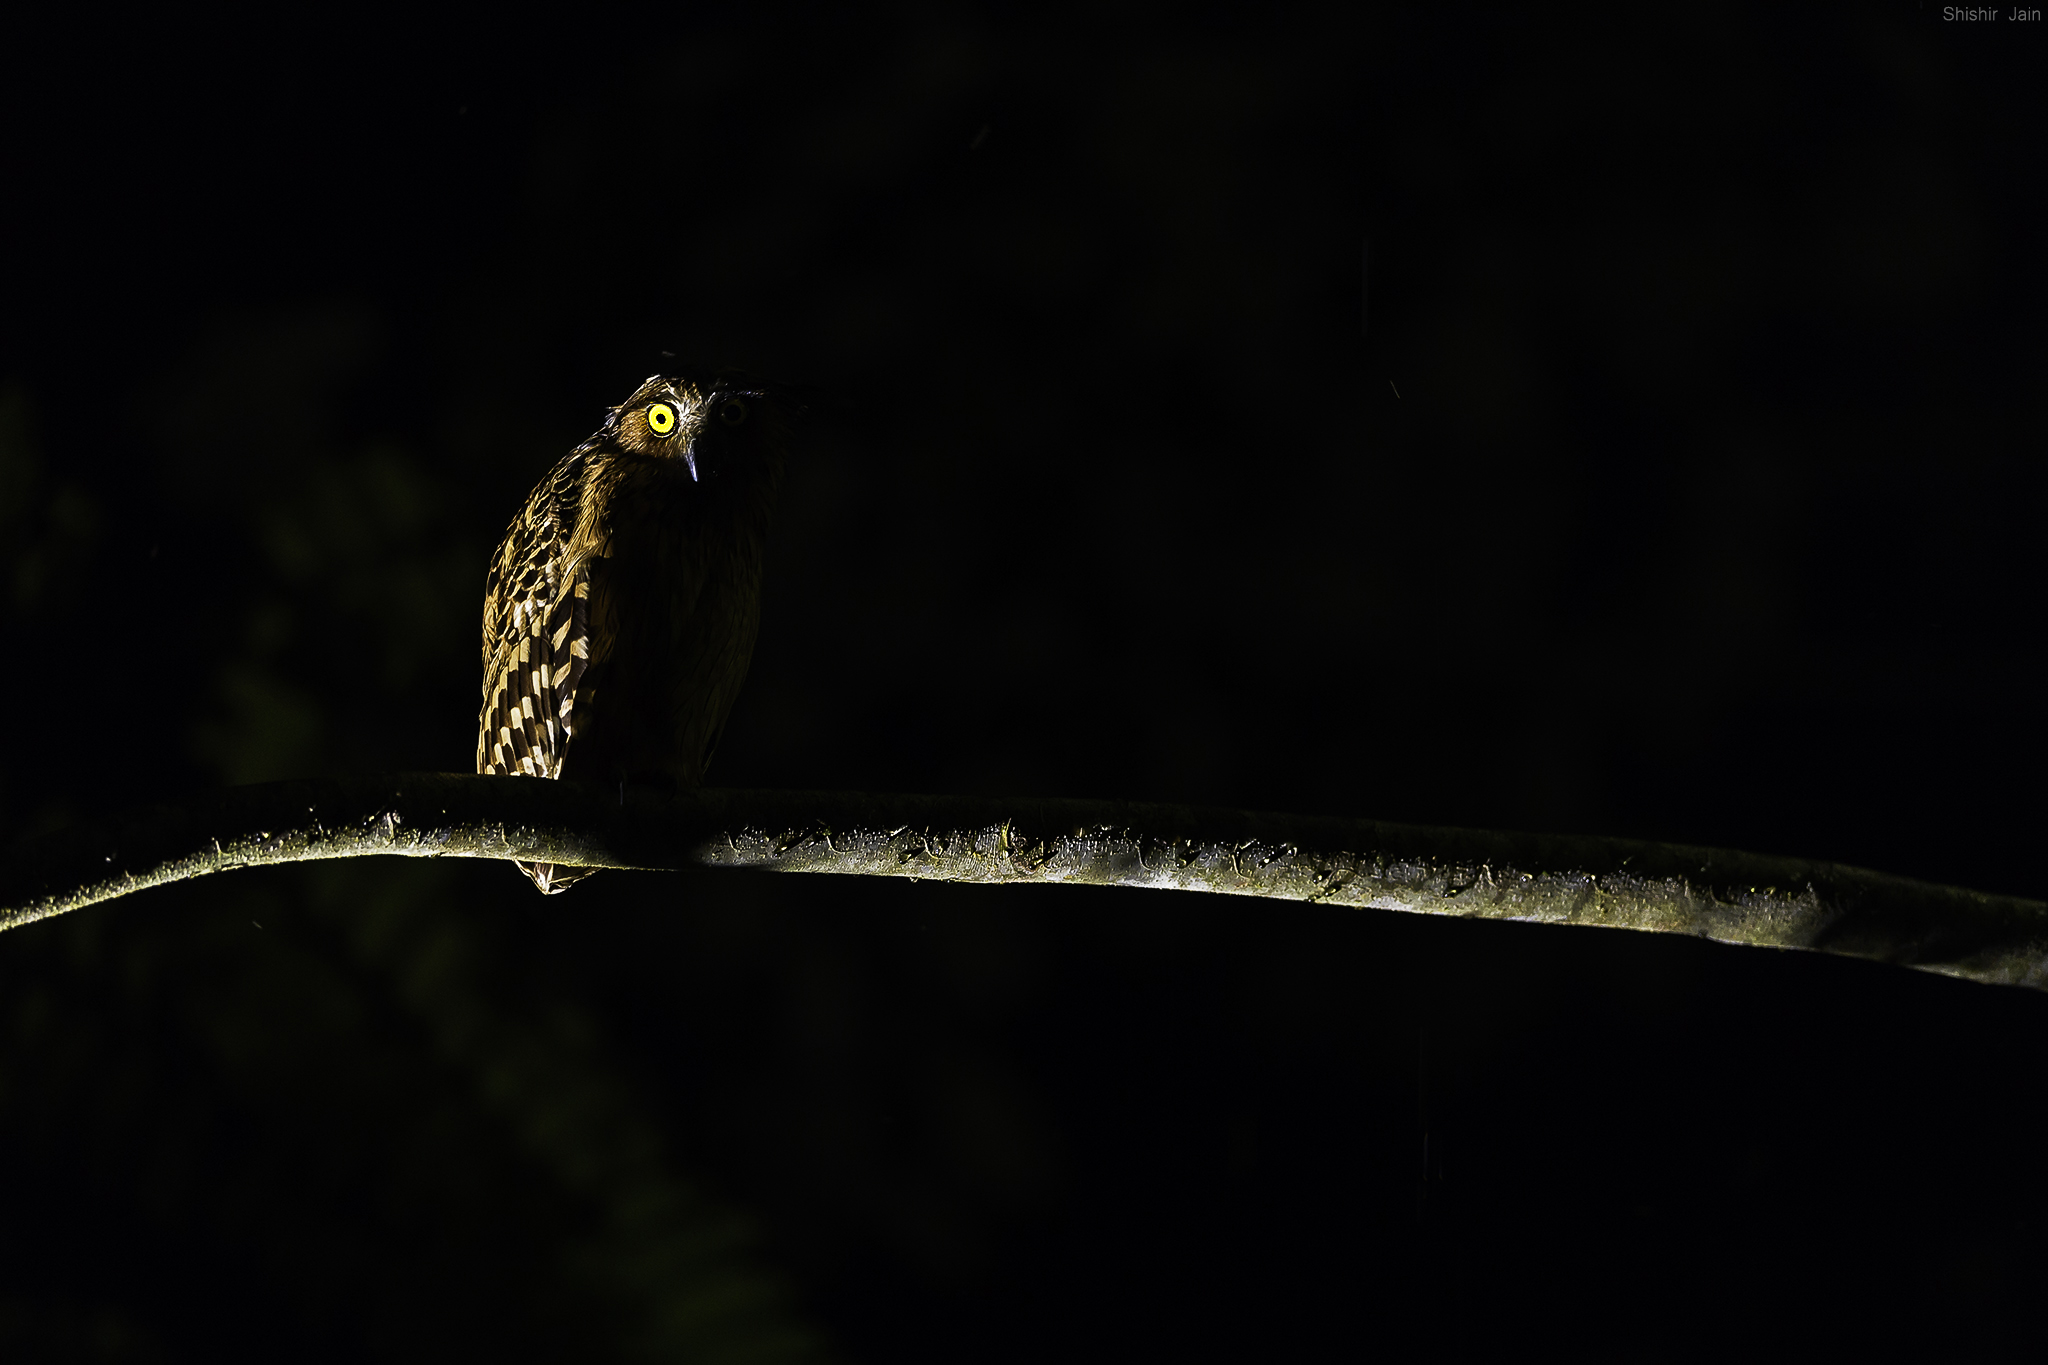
1728, 897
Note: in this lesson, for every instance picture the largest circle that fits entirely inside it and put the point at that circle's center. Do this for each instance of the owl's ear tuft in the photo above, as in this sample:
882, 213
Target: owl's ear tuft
792, 402
798, 402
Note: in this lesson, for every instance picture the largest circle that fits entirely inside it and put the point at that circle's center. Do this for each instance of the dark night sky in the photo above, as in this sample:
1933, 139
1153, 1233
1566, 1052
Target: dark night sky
1682, 482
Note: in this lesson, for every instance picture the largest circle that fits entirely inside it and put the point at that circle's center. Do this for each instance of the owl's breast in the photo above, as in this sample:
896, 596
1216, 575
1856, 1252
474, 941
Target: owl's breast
675, 607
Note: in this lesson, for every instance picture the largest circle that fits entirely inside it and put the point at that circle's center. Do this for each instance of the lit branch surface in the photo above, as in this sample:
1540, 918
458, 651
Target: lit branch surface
1728, 897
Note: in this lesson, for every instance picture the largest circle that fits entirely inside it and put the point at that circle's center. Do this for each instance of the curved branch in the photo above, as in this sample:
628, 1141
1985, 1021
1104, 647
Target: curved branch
1728, 897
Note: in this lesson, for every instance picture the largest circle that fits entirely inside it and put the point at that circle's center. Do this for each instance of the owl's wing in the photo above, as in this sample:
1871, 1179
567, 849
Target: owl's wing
536, 635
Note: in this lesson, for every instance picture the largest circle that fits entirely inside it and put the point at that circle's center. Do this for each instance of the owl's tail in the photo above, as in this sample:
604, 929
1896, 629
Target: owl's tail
552, 879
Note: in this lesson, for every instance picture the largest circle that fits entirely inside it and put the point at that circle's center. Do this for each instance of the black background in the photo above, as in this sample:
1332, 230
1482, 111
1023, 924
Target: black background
1441, 416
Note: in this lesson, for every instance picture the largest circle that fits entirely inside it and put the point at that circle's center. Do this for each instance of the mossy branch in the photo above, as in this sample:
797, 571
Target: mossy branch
1728, 897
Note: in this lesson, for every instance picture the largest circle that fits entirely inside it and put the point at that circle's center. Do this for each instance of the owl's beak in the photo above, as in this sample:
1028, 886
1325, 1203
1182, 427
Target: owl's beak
690, 459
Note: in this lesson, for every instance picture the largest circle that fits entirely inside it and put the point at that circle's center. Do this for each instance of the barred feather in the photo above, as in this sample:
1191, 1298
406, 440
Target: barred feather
536, 642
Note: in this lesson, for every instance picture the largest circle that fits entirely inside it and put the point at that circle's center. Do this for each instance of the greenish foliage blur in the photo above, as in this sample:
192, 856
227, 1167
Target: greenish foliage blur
353, 1090
382, 1139
1681, 480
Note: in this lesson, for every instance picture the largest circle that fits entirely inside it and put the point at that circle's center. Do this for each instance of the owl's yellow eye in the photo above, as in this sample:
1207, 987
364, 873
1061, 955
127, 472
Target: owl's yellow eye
661, 419
733, 413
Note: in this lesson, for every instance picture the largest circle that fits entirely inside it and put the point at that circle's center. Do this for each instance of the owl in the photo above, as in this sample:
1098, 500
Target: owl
620, 609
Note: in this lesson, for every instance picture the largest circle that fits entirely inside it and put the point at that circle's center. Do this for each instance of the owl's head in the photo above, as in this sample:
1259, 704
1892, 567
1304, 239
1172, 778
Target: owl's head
714, 428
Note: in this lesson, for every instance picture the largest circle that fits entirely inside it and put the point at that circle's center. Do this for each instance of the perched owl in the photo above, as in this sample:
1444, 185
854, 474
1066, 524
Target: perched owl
621, 608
